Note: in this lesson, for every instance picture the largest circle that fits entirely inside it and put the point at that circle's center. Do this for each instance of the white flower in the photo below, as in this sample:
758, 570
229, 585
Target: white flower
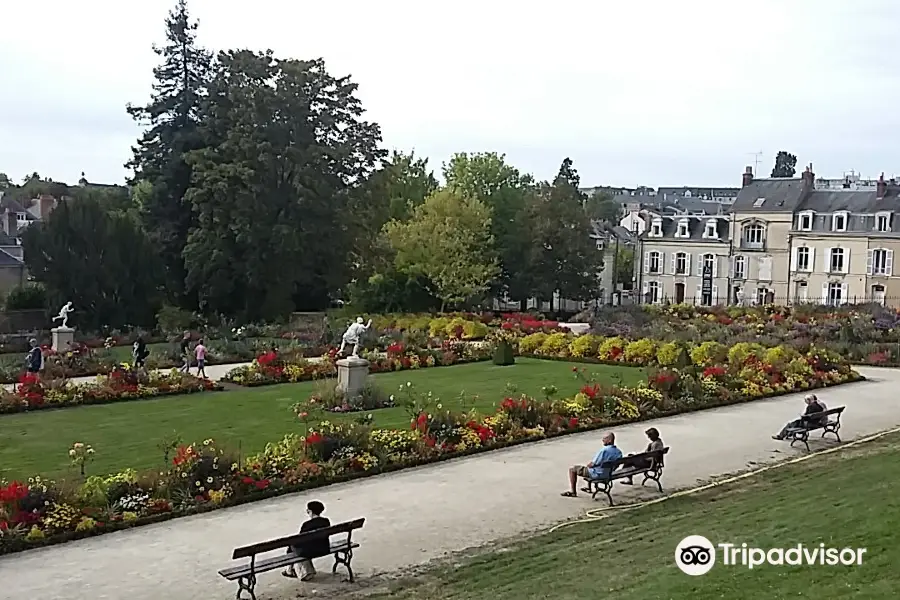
408, 384
71, 453
392, 398
440, 406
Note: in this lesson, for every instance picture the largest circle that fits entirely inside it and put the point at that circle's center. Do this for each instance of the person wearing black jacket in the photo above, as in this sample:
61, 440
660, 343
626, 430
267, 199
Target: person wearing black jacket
139, 352
813, 406
34, 361
314, 549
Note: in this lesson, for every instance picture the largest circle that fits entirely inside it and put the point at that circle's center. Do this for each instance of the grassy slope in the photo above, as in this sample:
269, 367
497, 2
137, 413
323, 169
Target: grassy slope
128, 434
846, 499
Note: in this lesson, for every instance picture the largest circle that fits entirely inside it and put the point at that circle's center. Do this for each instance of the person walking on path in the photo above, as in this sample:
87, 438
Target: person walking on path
186, 352
139, 353
34, 360
200, 354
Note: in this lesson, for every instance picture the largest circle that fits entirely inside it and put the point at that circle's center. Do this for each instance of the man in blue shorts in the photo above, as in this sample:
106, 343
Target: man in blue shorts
593, 469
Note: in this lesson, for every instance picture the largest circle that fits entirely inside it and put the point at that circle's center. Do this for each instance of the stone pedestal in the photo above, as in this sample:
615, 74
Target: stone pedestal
63, 337
352, 373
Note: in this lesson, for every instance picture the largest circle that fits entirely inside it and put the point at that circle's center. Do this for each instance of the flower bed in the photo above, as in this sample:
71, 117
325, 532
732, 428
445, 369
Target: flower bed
120, 385
203, 477
272, 368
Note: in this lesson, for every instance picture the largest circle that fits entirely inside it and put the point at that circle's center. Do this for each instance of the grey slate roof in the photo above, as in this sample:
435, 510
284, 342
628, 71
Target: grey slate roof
857, 201
779, 195
696, 227
8, 260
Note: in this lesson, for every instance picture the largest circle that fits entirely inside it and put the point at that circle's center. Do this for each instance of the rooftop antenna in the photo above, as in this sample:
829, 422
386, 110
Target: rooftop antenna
757, 157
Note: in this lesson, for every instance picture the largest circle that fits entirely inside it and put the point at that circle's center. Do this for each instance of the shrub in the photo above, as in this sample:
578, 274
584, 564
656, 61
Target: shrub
455, 328
740, 352
584, 346
612, 348
172, 320
530, 343
555, 344
503, 354
708, 354
475, 330
437, 326
30, 296
670, 355
780, 356
640, 352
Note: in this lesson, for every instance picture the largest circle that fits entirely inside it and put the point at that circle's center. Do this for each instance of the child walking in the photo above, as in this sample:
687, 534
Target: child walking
200, 354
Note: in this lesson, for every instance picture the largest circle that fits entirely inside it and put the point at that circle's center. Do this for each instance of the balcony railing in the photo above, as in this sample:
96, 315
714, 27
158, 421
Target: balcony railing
753, 245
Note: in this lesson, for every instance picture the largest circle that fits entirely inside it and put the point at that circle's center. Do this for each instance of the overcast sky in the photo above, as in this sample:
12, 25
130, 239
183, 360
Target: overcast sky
649, 92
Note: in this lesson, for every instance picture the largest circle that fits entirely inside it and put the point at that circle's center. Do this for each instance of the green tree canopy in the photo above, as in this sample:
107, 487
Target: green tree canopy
284, 148
101, 261
785, 164
448, 241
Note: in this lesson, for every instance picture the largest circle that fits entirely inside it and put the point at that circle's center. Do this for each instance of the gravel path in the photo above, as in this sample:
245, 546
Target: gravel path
420, 514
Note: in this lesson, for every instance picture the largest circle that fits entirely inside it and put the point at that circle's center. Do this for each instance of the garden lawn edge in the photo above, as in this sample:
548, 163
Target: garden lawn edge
62, 406
20, 545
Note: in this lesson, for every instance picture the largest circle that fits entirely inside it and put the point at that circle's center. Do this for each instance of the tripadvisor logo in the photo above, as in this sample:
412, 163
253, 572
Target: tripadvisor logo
696, 555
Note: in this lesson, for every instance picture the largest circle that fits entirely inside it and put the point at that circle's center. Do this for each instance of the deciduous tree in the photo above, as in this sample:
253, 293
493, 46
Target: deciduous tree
448, 241
284, 148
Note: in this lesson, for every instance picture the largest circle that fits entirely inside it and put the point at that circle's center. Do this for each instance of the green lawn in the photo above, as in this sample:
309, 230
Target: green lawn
844, 500
128, 434
14, 360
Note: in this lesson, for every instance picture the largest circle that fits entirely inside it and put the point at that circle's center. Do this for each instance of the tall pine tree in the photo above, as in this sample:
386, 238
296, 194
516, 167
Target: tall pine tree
172, 121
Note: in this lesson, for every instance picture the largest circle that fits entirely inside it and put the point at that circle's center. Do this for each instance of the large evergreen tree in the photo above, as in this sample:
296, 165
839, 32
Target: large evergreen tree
284, 149
172, 120
566, 259
102, 261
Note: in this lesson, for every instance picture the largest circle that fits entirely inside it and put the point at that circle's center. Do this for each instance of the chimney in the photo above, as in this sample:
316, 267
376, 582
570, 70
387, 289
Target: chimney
880, 188
748, 177
11, 224
809, 178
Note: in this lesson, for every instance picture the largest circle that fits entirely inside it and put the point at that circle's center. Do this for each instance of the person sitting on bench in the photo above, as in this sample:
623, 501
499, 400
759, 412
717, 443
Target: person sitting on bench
812, 407
593, 470
656, 443
312, 549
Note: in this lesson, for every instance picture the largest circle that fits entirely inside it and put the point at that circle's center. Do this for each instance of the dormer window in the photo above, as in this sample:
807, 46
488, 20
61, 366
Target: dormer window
656, 228
839, 221
805, 221
683, 230
711, 232
883, 221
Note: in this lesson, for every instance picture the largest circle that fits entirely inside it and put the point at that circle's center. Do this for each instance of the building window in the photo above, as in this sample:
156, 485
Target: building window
708, 265
804, 259
838, 261
711, 232
835, 294
653, 262
802, 294
754, 236
880, 262
883, 222
839, 222
653, 295
878, 294
656, 229
740, 267
21, 216
683, 231
806, 221
681, 266
600, 245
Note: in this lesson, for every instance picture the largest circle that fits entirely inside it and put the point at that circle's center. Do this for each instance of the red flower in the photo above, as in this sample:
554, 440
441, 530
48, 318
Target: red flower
591, 391
429, 441
714, 371
247, 480
314, 438
262, 484
573, 423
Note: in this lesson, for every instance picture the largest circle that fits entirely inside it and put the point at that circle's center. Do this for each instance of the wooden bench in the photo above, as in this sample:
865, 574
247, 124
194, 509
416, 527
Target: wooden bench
648, 464
246, 574
829, 421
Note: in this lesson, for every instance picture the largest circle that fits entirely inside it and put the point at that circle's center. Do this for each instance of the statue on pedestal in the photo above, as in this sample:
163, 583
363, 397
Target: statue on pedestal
353, 335
64, 315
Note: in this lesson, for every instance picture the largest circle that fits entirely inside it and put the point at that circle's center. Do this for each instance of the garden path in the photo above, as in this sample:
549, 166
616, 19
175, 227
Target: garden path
420, 514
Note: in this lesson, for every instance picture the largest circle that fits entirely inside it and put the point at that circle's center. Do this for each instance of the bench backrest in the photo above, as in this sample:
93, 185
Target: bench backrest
819, 416
297, 539
654, 456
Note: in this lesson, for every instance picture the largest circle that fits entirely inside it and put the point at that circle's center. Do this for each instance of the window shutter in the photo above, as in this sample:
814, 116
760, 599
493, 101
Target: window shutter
687, 263
844, 298
794, 255
812, 260
715, 266
674, 264
889, 263
825, 293
645, 289
662, 262
733, 264
698, 296
699, 265
828, 260
646, 263
715, 295
870, 262
846, 264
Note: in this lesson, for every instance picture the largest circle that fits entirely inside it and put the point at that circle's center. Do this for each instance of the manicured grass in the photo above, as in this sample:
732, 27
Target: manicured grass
845, 500
14, 360
128, 434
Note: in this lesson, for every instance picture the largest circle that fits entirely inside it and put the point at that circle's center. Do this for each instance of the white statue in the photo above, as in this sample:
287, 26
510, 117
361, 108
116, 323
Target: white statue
64, 315
353, 335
